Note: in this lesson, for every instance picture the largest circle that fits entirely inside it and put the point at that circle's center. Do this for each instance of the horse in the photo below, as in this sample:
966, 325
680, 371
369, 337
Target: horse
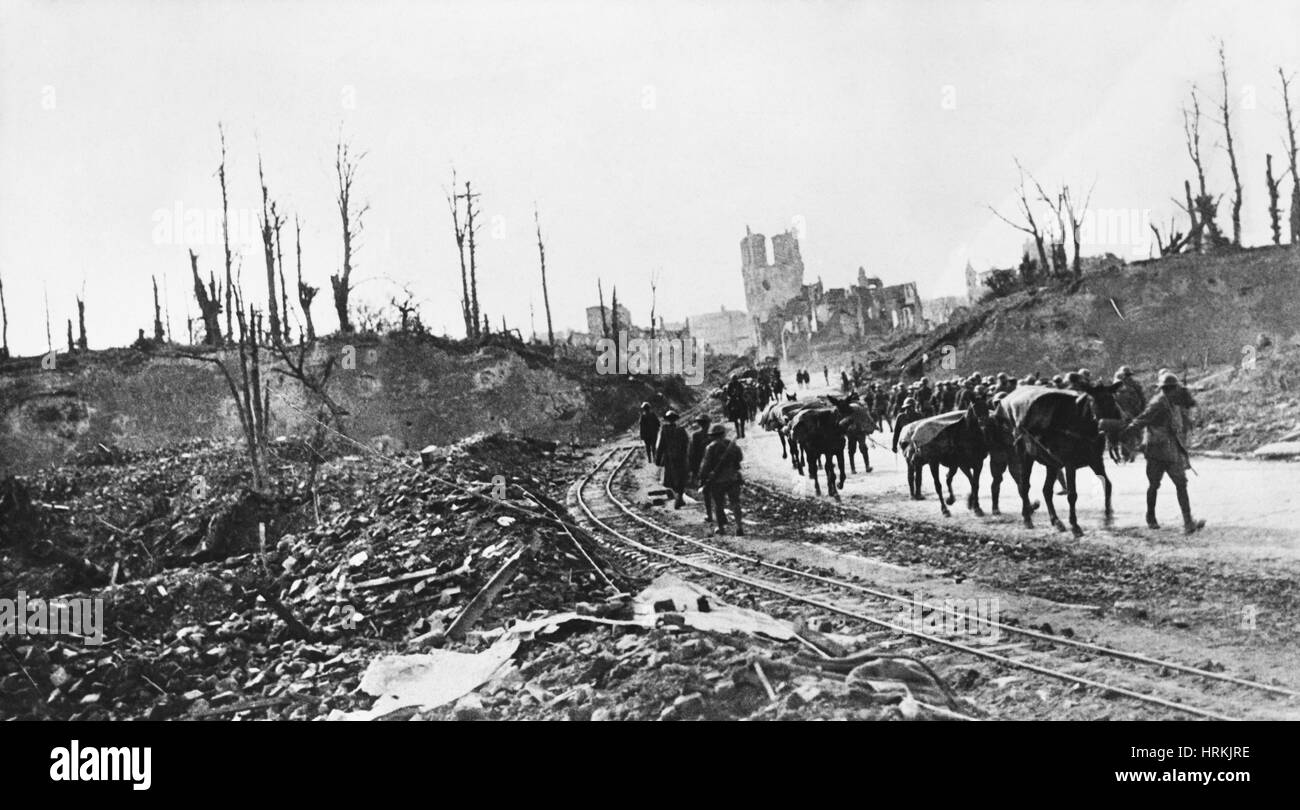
777, 417
861, 423
1062, 430
958, 441
818, 434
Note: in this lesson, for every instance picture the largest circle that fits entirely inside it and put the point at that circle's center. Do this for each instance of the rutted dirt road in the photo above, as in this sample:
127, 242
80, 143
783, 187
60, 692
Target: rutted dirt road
1223, 599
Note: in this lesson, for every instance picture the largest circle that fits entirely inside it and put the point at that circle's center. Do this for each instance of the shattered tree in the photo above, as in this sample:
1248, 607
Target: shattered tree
209, 304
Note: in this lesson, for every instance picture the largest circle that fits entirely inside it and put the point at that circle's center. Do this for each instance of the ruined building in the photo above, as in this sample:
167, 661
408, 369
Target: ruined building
785, 312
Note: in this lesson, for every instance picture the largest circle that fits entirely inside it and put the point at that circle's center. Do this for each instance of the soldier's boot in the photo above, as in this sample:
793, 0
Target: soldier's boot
1151, 509
1190, 525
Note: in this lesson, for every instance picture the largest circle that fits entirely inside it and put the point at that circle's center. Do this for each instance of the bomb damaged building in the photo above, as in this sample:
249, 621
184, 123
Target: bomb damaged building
785, 313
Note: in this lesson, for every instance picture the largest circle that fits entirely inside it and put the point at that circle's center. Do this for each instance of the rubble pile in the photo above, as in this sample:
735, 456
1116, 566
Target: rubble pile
385, 556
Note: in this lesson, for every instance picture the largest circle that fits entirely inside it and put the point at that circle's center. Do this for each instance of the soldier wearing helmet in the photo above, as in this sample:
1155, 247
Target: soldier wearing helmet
906, 416
1165, 424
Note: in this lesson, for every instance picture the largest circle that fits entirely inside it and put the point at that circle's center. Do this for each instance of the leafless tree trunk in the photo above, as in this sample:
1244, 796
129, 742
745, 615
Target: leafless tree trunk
654, 283
209, 304
252, 399
1189, 207
306, 292
157, 313
1075, 217
225, 230
1291, 153
271, 222
604, 322
470, 230
71, 348
613, 313
1176, 239
81, 324
284, 290
345, 170
1206, 207
4, 323
1031, 225
1224, 109
458, 231
1274, 212
546, 296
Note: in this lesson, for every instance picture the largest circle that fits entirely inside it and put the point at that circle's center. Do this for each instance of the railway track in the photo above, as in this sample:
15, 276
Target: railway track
1158, 684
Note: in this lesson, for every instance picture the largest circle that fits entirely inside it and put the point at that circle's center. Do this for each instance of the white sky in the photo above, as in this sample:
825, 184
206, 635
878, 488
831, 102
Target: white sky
649, 133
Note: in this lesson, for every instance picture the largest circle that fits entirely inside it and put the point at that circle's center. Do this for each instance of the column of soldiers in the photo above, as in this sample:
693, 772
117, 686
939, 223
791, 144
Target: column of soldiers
705, 460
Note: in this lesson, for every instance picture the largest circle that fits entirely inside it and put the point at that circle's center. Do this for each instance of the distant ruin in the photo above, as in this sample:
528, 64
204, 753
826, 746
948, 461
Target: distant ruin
786, 313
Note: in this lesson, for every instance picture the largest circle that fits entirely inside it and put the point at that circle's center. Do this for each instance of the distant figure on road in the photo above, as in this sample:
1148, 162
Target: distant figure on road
649, 431
674, 457
1166, 423
826, 374
720, 475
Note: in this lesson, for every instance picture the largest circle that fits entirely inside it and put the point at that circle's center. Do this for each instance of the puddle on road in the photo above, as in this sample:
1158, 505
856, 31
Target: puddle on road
847, 527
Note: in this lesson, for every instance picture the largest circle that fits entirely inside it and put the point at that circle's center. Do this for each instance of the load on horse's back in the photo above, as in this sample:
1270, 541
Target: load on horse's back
1062, 430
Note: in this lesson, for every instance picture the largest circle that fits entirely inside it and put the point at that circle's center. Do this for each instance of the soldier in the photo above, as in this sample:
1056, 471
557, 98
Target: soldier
1166, 424
649, 431
826, 374
720, 475
1005, 384
1075, 381
1087, 376
906, 416
923, 396
1058, 381
695, 455
673, 456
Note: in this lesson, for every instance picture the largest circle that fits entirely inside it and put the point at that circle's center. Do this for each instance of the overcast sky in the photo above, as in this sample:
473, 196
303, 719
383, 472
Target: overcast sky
649, 134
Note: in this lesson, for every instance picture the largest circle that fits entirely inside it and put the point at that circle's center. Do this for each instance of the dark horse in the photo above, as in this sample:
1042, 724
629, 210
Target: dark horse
1061, 430
957, 441
819, 432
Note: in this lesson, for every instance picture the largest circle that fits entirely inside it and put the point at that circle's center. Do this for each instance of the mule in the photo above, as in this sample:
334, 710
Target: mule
956, 440
1062, 430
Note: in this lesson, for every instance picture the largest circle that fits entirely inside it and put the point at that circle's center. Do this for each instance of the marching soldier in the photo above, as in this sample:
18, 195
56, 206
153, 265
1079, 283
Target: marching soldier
695, 456
672, 455
720, 476
1166, 424
906, 416
649, 431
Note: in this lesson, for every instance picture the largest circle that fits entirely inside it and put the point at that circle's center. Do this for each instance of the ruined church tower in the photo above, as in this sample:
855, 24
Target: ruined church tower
769, 286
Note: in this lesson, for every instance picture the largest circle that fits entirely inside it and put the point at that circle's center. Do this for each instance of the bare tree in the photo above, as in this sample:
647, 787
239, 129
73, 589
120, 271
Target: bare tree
158, 334
1274, 212
1205, 206
470, 230
209, 304
345, 170
252, 398
1291, 153
654, 284
1075, 217
604, 322
1030, 225
306, 292
546, 296
458, 230
4, 323
270, 221
613, 313
225, 229
1226, 122
81, 324
71, 348
1177, 240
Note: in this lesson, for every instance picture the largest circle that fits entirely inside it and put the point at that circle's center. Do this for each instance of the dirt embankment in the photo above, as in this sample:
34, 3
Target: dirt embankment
1226, 323
400, 392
